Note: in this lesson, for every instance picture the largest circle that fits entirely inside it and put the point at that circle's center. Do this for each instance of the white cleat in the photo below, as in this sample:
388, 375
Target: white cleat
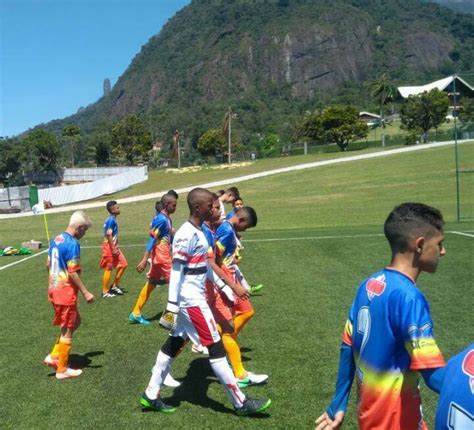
68, 373
171, 382
252, 379
51, 362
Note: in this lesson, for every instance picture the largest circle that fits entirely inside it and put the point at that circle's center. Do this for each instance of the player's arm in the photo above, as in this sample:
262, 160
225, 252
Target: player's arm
76, 280
146, 255
216, 274
169, 316
110, 239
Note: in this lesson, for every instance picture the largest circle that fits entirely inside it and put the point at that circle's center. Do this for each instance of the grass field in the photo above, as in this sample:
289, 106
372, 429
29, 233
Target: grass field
319, 235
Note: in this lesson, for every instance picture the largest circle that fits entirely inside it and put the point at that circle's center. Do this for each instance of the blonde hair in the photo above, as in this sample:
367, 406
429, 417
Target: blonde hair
80, 218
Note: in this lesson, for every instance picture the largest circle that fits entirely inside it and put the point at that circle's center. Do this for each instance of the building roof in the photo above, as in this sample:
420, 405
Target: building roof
441, 85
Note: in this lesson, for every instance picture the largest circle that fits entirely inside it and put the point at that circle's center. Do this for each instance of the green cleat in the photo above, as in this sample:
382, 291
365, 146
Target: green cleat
139, 319
156, 404
253, 406
255, 288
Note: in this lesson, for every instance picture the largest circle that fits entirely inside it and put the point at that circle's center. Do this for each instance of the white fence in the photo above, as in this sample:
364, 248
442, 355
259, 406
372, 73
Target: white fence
17, 197
107, 185
95, 173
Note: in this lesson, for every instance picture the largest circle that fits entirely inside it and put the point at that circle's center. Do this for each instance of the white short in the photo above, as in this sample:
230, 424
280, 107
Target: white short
198, 324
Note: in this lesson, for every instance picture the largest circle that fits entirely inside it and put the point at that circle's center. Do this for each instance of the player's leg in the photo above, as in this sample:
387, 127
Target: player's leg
106, 281
136, 314
121, 265
151, 397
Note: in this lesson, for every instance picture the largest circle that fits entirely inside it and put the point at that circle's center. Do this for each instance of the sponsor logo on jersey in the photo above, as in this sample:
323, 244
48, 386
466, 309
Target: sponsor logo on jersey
375, 286
59, 239
468, 367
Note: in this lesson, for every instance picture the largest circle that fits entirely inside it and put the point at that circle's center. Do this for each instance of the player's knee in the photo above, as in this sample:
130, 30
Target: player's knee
216, 350
173, 346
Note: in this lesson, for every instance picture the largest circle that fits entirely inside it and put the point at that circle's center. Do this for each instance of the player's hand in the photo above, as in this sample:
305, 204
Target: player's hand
169, 316
241, 292
89, 297
324, 422
141, 266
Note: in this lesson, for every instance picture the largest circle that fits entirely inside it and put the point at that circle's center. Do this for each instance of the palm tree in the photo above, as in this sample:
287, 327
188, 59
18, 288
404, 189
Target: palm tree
384, 91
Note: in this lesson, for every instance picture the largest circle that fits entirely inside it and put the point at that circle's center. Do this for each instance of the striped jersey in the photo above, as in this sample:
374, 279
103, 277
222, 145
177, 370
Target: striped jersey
391, 334
190, 247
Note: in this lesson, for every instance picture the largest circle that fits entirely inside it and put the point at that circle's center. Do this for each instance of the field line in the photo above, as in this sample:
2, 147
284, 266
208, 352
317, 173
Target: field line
22, 260
275, 239
461, 233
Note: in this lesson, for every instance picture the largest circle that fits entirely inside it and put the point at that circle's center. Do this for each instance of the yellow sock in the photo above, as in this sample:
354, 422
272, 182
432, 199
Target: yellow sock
118, 275
233, 352
106, 280
64, 348
240, 321
54, 352
143, 298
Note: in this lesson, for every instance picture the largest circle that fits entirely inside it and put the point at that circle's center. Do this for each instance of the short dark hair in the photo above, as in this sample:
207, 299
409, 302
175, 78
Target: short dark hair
109, 205
234, 191
249, 214
410, 220
197, 195
173, 193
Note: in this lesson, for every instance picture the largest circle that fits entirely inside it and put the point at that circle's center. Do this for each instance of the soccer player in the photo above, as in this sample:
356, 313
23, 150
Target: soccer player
237, 204
112, 256
64, 268
456, 399
188, 313
241, 310
388, 336
159, 249
229, 196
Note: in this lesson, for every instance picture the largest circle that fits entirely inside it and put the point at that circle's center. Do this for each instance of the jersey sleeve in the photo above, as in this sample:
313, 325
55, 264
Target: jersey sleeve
109, 226
181, 249
417, 331
73, 258
224, 239
157, 227
347, 332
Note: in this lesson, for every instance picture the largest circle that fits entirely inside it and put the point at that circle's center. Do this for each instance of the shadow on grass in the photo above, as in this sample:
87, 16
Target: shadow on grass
77, 361
156, 317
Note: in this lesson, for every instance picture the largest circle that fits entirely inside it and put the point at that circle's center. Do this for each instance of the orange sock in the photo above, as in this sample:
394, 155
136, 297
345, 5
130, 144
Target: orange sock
106, 280
64, 348
118, 275
240, 321
143, 298
233, 352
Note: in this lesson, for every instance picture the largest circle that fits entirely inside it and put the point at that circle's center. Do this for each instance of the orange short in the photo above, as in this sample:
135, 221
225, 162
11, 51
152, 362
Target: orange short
109, 261
160, 265
66, 316
239, 306
222, 308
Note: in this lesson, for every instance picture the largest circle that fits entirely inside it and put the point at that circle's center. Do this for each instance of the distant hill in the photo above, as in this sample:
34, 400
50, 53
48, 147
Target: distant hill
465, 6
273, 59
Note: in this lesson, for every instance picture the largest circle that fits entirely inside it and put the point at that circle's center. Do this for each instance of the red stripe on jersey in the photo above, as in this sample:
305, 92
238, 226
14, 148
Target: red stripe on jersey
196, 259
201, 325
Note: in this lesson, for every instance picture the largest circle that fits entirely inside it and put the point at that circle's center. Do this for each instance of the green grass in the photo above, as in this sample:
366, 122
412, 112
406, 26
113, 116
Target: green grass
331, 218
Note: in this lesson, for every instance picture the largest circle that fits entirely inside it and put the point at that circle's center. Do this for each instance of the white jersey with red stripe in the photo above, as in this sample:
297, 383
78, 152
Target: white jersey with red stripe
190, 247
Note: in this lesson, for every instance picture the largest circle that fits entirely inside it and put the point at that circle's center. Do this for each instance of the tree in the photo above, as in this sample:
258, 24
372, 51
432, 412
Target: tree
11, 157
72, 136
212, 141
383, 91
43, 152
130, 138
334, 124
99, 147
425, 111
466, 112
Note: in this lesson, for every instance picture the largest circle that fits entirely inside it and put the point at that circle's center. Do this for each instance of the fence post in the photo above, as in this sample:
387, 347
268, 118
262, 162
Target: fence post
305, 148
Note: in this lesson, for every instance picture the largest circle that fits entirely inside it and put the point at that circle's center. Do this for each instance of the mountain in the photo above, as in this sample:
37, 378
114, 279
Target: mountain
465, 6
273, 59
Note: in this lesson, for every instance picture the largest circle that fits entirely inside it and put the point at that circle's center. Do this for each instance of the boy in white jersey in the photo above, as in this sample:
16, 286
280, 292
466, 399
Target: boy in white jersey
189, 313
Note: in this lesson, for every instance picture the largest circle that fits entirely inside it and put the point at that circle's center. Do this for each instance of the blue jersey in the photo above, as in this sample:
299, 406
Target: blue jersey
456, 400
230, 215
111, 228
210, 236
160, 231
391, 334
226, 244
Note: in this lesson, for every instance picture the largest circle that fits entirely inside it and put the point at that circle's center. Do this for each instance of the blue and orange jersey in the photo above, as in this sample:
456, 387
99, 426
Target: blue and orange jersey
111, 228
390, 332
64, 257
230, 215
226, 245
210, 235
456, 399
160, 231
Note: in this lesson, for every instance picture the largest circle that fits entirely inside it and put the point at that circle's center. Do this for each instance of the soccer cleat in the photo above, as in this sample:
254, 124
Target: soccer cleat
68, 373
109, 294
251, 379
51, 361
138, 319
171, 382
255, 288
156, 404
253, 406
116, 290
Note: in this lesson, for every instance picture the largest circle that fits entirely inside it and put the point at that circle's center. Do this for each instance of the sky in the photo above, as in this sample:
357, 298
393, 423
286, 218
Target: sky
55, 54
